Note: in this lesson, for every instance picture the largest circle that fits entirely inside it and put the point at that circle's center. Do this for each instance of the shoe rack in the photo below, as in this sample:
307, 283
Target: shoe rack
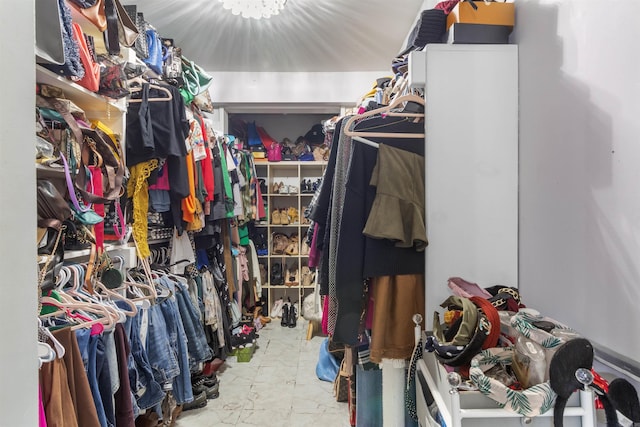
290, 187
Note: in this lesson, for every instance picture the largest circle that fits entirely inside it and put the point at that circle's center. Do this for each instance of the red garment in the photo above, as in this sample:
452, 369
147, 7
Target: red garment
96, 183
162, 182
447, 5
262, 213
207, 164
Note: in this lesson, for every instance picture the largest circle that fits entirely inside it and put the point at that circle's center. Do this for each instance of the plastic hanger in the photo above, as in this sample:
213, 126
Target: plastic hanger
388, 110
169, 96
67, 309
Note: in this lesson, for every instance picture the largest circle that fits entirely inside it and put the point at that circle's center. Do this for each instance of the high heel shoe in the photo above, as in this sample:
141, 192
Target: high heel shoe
275, 189
285, 314
304, 249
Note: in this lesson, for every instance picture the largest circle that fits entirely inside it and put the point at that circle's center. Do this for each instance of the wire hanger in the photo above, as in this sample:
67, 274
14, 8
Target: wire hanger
388, 111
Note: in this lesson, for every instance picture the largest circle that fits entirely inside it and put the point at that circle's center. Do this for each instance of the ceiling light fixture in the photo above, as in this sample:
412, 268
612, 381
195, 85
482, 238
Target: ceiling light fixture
255, 9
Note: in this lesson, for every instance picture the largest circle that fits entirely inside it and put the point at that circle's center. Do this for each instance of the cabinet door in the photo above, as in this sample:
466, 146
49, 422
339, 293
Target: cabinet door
471, 166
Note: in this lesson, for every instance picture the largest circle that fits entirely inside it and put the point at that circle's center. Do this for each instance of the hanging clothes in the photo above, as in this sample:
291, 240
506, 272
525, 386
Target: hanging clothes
378, 257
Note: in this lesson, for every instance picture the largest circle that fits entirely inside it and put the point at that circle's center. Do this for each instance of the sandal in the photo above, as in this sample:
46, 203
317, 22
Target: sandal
276, 218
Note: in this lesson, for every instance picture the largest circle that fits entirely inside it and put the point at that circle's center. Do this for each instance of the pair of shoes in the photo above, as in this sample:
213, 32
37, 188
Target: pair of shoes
243, 340
276, 275
292, 276
292, 247
212, 391
306, 186
199, 401
280, 217
289, 315
303, 217
276, 310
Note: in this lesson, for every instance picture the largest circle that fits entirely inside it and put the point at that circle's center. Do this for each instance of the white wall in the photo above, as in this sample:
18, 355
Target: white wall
580, 165
18, 360
328, 88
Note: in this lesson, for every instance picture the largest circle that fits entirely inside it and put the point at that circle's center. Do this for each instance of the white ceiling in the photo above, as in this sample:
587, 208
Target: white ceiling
308, 35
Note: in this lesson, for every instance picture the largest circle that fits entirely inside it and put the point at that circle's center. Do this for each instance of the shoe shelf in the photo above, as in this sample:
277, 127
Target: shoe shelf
289, 189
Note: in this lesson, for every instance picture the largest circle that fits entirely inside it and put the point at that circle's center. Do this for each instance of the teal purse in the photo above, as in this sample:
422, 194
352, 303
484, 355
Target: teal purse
196, 80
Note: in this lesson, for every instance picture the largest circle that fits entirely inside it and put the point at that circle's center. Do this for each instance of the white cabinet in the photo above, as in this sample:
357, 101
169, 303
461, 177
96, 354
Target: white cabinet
293, 175
471, 94
471, 165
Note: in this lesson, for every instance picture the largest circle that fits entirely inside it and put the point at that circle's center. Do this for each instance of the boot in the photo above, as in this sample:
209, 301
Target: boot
285, 315
293, 315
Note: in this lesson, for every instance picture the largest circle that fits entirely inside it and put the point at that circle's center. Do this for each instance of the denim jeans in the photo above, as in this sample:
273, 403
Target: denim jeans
199, 350
88, 349
147, 391
162, 355
178, 339
112, 359
369, 395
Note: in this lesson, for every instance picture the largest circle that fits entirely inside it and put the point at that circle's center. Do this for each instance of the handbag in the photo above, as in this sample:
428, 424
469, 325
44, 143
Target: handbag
53, 209
94, 13
112, 32
274, 153
172, 62
154, 59
71, 65
341, 384
113, 80
195, 79
327, 367
127, 29
91, 78
140, 44
49, 33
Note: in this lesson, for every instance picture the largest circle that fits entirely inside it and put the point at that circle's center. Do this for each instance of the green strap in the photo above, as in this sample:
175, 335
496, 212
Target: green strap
228, 192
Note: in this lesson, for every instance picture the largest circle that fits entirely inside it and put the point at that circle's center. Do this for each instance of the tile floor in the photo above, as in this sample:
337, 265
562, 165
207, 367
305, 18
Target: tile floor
278, 387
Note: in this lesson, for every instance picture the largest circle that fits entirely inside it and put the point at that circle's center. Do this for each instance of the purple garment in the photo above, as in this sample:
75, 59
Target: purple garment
314, 253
